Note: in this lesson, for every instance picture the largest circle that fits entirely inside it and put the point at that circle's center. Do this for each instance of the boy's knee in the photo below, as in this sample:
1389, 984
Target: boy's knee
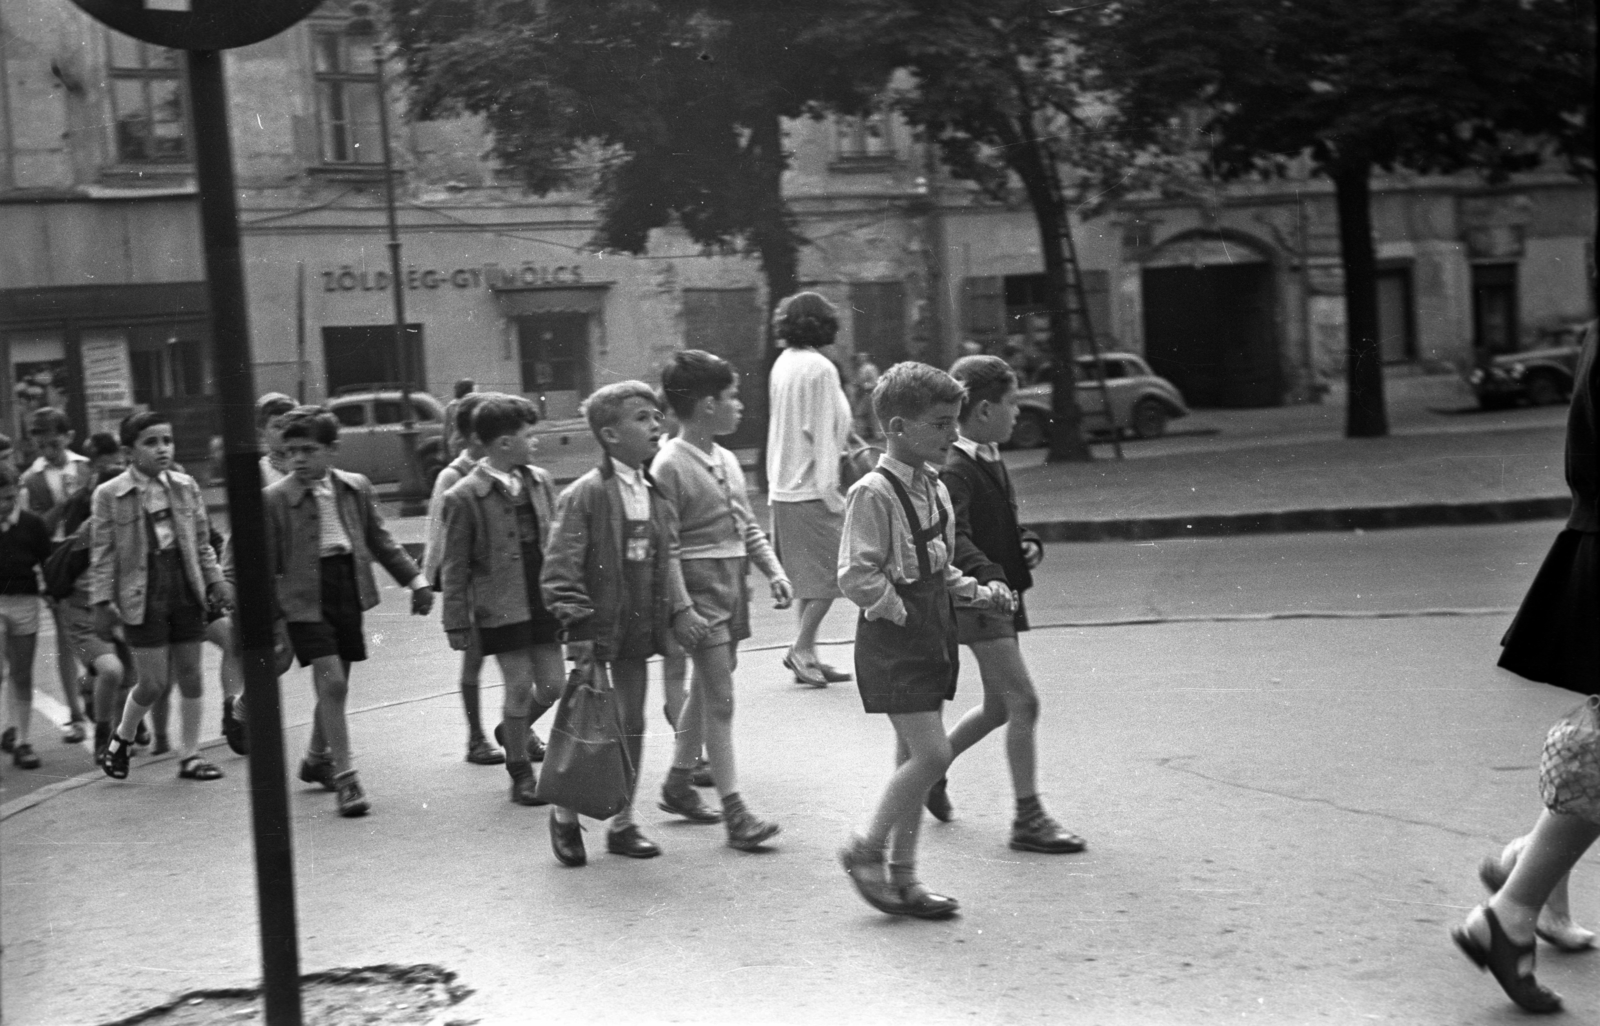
1023, 708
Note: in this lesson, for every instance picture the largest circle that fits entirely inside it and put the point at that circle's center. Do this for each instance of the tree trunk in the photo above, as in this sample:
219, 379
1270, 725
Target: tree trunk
773, 236
1066, 419
1365, 416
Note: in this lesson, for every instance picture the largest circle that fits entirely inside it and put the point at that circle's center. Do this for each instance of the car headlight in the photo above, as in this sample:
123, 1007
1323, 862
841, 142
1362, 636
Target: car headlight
1516, 370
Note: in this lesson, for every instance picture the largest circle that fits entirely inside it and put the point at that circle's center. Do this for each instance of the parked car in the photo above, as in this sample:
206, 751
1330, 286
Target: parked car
370, 424
1538, 377
1141, 402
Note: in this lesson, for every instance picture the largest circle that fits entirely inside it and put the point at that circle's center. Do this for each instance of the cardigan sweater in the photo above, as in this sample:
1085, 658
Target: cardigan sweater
988, 537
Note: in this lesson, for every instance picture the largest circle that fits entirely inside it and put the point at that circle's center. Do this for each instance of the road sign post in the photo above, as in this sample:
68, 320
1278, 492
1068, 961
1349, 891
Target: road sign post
205, 28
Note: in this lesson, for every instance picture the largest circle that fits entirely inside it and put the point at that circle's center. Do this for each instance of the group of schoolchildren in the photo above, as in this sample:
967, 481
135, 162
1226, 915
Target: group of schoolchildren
645, 555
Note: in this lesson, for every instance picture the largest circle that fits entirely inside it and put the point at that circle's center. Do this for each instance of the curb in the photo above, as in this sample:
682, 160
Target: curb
1351, 518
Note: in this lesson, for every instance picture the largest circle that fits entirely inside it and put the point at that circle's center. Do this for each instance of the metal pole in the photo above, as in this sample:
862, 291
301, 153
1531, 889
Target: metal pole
230, 340
410, 492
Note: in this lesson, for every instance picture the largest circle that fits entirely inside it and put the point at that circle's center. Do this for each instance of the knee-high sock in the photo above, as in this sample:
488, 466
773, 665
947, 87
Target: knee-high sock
188, 727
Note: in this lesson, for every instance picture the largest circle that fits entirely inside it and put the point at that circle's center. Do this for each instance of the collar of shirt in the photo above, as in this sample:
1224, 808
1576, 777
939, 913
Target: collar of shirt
512, 482
144, 480
919, 477
629, 476
979, 450
67, 464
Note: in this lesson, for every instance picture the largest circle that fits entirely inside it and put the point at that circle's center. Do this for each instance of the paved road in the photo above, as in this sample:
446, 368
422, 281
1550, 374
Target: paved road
1283, 818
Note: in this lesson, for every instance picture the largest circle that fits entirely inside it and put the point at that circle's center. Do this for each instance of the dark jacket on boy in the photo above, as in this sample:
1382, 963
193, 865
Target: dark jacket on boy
294, 543
24, 546
481, 571
583, 579
988, 537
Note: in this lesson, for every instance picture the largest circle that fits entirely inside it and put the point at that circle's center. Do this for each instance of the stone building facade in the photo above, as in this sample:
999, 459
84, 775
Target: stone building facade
102, 302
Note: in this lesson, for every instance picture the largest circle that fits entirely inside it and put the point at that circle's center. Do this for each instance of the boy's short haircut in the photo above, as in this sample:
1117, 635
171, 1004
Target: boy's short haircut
48, 419
693, 375
465, 387
8, 476
314, 422
497, 414
908, 388
101, 443
273, 404
603, 408
465, 405
134, 425
986, 378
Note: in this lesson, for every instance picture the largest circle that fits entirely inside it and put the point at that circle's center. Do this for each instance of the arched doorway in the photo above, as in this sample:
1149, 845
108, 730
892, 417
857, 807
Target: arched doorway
1208, 321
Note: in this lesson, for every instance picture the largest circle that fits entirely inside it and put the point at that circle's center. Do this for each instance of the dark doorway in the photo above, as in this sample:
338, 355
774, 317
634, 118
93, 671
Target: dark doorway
727, 322
1494, 309
554, 351
1209, 330
366, 355
1396, 331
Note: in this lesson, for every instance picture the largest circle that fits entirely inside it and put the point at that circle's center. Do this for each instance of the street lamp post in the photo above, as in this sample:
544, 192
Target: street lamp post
412, 497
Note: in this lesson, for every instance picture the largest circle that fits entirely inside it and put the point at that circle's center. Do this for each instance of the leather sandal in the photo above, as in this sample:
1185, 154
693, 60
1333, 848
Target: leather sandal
1569, 937
115, 763
1505, 958
197, 768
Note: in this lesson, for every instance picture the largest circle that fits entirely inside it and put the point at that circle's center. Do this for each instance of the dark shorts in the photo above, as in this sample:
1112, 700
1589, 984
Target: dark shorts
719, 591
514, 637
338, 633
975, 625
173, 615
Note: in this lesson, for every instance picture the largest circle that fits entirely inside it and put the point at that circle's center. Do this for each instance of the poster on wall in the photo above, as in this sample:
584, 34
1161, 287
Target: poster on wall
107, 381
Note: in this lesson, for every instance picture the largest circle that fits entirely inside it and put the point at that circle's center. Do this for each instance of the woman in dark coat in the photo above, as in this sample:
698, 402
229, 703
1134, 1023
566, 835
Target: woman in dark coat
1555, 639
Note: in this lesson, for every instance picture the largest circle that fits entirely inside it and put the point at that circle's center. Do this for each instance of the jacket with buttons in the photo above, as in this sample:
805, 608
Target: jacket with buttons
294, 543
583, 577
119, 565
480, 563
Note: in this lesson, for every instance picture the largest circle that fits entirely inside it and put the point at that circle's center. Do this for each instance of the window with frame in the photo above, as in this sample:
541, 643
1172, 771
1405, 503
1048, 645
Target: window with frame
347, 97
149, 111
169, 365
868, 137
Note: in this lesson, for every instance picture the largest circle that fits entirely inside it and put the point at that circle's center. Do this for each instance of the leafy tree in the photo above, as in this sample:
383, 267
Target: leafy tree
668, 108
1426, 85
1002, 89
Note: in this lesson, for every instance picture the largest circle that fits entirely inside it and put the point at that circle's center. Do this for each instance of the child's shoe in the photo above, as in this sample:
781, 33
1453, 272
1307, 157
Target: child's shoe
1038, 832
481, 753
8, 740
684, 801
917, 900
864, 866
233, 729
24, 758
74, 733
566, 840
318, 769
523, 783
627, 840
747, 833
352, 799
938, 801
115, 762
701, 776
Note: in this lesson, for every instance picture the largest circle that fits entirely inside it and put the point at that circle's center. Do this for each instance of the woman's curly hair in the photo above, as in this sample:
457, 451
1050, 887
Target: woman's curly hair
805, 320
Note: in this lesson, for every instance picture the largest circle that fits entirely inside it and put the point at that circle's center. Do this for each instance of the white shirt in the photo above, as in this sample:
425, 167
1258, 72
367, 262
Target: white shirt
512, 482
808, 428
335, 540
156, 500
987, 451
635, 493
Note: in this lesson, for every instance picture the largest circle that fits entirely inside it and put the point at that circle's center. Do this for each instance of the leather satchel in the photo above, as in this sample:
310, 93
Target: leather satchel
586, 765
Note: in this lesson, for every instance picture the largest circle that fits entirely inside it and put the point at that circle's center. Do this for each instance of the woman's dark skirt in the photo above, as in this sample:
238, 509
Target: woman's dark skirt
1555, 638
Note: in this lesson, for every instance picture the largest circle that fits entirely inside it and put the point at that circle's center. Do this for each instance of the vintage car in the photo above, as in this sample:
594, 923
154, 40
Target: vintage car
370, 442
1141, 402
1538, 377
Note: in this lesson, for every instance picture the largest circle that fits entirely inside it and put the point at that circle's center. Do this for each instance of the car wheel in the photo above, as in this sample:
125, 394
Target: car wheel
1495, 402
1032, 431
1149, 419
1545, 390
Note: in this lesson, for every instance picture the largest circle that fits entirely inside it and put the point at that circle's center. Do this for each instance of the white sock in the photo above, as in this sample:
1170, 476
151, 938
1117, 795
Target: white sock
132, 713
622, 819
188, 727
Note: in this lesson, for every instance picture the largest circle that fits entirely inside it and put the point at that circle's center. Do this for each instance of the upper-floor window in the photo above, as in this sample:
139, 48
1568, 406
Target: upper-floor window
347, 97
868, 137
148, 106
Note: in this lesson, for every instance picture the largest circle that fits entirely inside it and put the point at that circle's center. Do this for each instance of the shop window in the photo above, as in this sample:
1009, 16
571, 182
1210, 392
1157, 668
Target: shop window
148, 111
170, 368
347, 97
869, 137
1494, 308
365, 356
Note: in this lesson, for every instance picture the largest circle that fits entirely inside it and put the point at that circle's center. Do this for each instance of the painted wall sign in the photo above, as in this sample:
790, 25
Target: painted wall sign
347, 278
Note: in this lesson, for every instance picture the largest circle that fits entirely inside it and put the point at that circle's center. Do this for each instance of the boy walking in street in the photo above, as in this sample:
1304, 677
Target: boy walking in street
612, 576
718, 537
496, 521
153, 569
992, 547
895, 563
323, 533
48, 487
24, 547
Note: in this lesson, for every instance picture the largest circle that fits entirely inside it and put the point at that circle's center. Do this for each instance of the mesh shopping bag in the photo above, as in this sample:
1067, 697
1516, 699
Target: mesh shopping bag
586, 766
1569, 769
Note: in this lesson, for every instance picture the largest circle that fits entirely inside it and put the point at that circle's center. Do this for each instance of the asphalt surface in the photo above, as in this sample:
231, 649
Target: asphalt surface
1286, 783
